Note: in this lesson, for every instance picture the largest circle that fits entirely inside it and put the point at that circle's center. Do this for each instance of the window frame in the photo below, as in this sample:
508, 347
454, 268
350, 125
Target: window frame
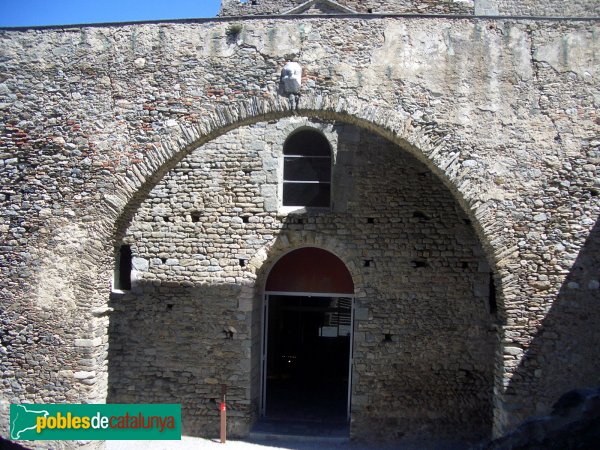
294, 154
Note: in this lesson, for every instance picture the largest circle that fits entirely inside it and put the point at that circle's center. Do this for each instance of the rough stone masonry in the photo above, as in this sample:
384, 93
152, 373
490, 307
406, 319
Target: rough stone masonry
465, 153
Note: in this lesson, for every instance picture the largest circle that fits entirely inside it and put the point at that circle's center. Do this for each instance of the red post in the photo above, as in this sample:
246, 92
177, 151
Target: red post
223, 409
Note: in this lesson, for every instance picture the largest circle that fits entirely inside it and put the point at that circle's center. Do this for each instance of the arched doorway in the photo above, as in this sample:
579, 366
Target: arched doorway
307, 338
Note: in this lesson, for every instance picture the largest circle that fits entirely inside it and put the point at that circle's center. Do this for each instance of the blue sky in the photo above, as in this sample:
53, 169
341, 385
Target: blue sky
63, 12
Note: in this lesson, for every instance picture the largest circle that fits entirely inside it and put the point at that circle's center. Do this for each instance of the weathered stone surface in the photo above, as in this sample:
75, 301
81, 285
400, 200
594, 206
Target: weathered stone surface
96, 146
537, 8
556, 8
236, 8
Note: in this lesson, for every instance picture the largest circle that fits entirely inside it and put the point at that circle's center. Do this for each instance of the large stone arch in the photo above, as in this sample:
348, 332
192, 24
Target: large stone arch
427, 145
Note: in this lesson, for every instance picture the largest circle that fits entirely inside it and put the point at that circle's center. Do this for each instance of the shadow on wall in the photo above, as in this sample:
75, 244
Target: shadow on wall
565, 352
174, 344
424, 343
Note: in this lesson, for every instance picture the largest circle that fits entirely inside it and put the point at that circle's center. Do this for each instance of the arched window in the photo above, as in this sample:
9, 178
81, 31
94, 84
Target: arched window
307, 170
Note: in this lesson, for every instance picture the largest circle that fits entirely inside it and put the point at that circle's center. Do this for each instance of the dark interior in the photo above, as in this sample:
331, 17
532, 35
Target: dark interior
307, 358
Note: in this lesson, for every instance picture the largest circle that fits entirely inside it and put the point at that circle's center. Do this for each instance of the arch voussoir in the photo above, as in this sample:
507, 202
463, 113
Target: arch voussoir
425, 143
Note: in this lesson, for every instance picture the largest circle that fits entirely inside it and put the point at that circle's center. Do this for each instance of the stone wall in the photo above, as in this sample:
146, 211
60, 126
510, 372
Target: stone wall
167, 345
502, 111
556, 8
265, 7
427, 285
528, 8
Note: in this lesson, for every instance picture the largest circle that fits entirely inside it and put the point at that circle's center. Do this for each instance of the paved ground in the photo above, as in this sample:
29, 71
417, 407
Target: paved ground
191, 443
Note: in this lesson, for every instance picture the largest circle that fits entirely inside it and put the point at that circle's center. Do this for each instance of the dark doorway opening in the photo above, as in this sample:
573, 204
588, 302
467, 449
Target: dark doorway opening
308, 357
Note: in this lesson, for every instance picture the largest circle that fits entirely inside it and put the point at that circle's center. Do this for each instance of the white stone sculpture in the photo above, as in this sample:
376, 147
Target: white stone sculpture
291, 76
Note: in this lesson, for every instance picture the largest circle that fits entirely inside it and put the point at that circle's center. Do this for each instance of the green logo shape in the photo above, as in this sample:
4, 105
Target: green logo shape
95, 422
